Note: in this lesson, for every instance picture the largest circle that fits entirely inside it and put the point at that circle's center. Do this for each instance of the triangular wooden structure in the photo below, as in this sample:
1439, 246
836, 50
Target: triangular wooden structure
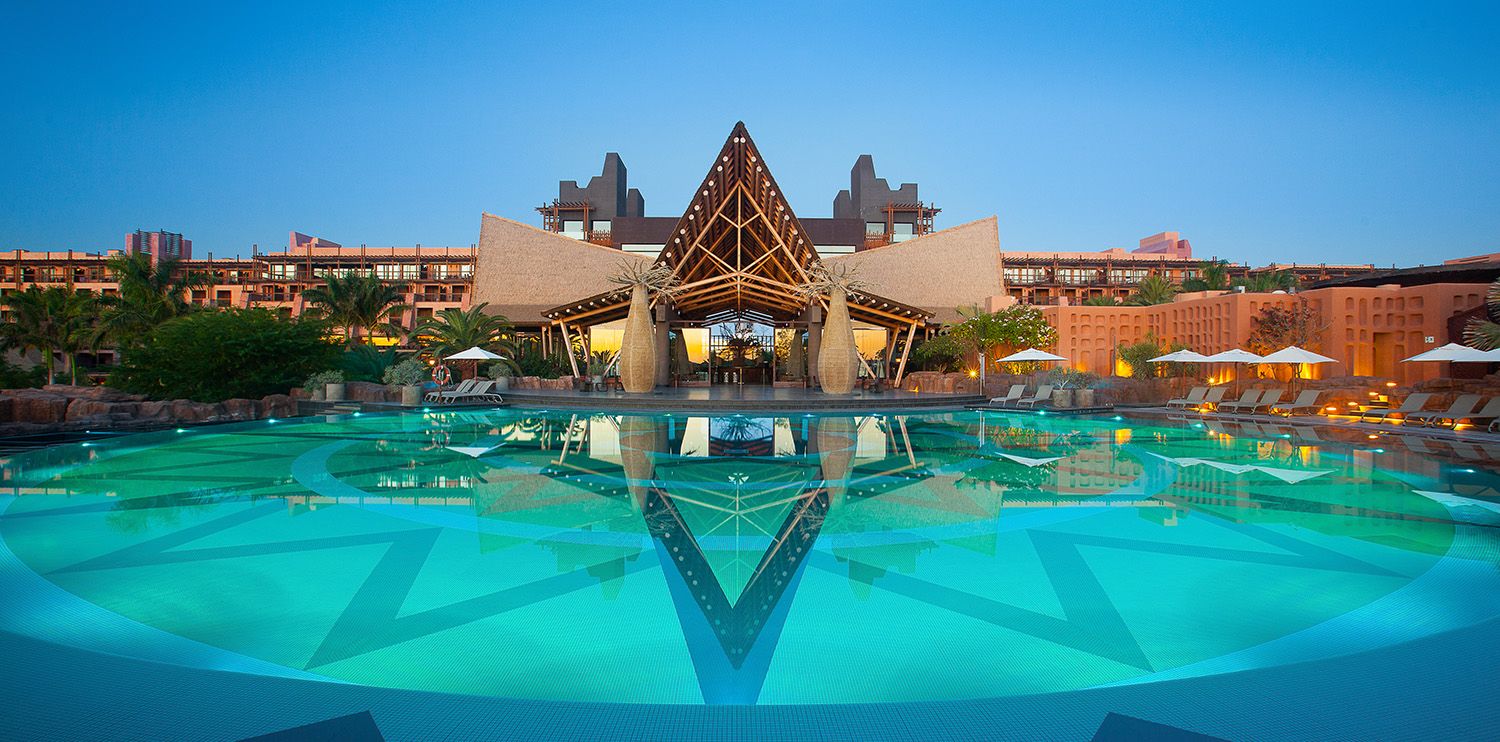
739, 253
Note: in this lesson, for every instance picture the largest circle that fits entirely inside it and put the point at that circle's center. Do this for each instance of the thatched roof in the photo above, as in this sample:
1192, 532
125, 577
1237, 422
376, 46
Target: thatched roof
936, 272
522, 270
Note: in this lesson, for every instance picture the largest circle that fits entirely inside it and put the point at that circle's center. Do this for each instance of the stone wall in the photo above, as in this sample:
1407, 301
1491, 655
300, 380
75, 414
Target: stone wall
61, 407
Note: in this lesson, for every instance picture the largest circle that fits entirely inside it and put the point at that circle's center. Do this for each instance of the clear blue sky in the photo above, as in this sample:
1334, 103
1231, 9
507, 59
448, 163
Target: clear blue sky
1302, 131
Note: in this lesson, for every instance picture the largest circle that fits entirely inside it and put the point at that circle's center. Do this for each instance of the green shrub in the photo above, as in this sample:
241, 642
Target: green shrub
13, 376
213, 356
367, 363
322, 379
500, 371
410, 372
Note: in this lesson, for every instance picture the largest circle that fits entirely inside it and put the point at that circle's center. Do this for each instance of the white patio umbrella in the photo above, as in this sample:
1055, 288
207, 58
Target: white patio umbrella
1455, 353
1031, 355
1296, 356
1234, 355
1180, 356
475, 355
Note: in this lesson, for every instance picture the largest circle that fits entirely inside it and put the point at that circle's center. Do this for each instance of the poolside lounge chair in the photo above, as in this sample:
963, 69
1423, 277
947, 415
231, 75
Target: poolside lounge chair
480, 392
1194, 397
1043, 394
1268, 399
1487, 415
1307, 400
1014, 394
463, 386
1247, 401
1463, 405
1214, 397
1412, 403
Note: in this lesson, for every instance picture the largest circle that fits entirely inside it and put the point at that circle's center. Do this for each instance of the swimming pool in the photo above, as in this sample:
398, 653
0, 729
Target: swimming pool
679, 559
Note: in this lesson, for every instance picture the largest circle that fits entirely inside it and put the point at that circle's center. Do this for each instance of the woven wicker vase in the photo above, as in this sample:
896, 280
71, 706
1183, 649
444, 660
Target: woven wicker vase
638, 347
837, 364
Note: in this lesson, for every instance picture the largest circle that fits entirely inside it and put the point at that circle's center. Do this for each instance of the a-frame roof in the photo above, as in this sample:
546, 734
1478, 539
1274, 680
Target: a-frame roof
738, 250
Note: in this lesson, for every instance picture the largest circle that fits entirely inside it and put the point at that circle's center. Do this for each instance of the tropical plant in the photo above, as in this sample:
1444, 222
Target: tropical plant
1067, 377
13, 376
838, 364
638, 346
322, 379
1101, 301
358, 304
367, 362
997, 333
213, 356
1484, 333
51, 321
1277, 327
454, 330
149, 294
410, 372
500, 371
1213, 275
1137, 356
1153, 290
530, 362
1266, 282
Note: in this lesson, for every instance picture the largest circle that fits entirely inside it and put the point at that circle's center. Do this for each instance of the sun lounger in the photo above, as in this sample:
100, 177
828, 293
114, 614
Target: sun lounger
1487, 415
1267, 401
1014, 394
1412, 403
1214, 397
1246, 402
463, 386
480, 392
1043, 394
1463, 405
1307, 401
1194, 397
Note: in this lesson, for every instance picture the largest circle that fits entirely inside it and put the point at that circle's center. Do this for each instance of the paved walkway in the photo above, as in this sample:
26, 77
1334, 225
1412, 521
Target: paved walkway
740, 399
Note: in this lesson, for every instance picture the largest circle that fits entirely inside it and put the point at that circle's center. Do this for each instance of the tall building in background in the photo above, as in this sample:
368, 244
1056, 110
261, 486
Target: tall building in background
159, 245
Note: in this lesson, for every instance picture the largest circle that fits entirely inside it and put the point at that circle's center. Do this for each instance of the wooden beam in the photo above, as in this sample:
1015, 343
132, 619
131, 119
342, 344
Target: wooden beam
901, 371
568, 348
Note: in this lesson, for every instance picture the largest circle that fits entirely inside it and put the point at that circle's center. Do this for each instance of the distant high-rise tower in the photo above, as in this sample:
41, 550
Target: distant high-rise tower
159, 245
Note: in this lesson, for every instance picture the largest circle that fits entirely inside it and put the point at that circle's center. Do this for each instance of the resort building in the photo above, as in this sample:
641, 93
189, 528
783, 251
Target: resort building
1368, 323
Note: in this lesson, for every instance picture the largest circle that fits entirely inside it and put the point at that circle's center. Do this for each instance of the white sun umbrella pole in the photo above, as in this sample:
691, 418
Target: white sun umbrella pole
1296, 356
1180, 356
1235, 355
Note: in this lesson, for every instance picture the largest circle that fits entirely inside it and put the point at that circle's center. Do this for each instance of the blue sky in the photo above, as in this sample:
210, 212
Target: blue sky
1337, 132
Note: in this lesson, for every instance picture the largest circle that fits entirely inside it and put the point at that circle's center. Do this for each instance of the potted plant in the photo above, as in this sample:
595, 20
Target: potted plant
1065, 381
1083, 394
331, 383
596, 374
314, 388
501, 373
409, 375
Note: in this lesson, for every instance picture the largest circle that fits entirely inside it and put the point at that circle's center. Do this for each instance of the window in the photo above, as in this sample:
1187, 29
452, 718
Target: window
1025, 275
281, 270
573, 228
1077, 276
1128, 275
874, 227
903, 231
602, 226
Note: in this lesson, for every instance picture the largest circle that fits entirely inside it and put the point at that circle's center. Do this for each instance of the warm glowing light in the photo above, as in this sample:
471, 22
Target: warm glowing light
1390, 384
973, 374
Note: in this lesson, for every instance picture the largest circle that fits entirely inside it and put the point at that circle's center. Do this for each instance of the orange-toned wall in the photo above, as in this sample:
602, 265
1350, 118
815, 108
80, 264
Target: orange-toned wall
1369, 330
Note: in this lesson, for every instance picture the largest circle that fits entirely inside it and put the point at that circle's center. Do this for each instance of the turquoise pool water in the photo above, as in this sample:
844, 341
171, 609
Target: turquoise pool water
740, 559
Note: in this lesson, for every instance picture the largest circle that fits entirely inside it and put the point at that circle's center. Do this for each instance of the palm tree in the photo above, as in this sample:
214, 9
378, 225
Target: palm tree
1213, 275
1153, 290
359, 303
149, 295
1269, 281
50, 321
454, 330
1101, 301
1484, 333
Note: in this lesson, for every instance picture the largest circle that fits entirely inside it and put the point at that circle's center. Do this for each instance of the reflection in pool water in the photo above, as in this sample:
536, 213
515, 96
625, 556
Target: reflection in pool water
742, 559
